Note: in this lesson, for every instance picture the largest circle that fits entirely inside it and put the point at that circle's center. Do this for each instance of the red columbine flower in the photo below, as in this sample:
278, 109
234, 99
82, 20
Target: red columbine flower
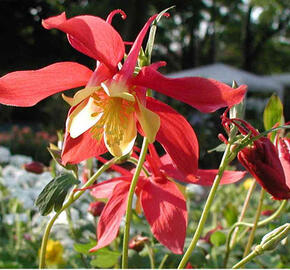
104, 114
270, 168
163, 204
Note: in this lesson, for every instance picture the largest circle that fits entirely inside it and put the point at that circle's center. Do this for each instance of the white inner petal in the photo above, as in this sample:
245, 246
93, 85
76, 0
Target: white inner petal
82, 121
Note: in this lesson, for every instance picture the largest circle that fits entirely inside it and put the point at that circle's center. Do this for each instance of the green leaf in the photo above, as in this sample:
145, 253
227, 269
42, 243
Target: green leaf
105, 259
84, 248
54, 193
218, 238
273, 112
55, 152
230, 214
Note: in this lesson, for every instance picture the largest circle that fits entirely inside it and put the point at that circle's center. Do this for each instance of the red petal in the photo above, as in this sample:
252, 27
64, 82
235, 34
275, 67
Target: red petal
202, 177
115, 167
105, 189
81, 148
176, 136
130, 63
284, 155
113, 13
26, 88
206, 95
206, 177
92, 36
165, 209
111, 216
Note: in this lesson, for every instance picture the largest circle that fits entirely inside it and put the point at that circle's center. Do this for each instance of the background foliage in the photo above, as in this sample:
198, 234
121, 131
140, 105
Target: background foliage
249, 34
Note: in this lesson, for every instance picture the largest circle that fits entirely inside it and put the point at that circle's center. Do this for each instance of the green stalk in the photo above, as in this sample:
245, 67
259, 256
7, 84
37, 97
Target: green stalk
72, 198
266, 245
251, 225
231, 244
150, 255
257, 216
227, 158
128, 216
244, 209
163, 261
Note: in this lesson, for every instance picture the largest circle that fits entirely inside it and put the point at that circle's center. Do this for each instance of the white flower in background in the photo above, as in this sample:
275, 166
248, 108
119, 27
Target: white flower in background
196, 190
19, 160
11, 218
4, 154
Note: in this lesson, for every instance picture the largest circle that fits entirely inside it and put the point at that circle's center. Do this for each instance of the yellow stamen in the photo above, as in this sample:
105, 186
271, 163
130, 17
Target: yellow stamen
114, 120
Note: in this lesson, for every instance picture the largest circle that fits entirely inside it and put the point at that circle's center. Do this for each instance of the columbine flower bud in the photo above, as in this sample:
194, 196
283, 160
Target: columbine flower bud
34, 167
267, 213
263, 162
96, 208
206, 238
137, 242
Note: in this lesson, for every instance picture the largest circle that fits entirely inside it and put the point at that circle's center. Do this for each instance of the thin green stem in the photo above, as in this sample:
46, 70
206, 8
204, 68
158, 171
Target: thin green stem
224, 162
163, 261
71, 198
128, 216
251, 225
150, 255
231, 244
253, 231
135, 162
266, 245
245, 260
244, 209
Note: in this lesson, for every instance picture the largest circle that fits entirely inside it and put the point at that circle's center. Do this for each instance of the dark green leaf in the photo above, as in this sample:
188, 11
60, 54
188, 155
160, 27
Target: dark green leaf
218, 238
273, 112
54, 193
105, 259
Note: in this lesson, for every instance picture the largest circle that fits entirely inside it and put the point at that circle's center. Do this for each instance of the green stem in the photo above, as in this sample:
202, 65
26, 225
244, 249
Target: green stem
266, 246
163, 261
253, 231
151, 256
245, 260
244, 209
72, 198
135, 162
225, 161
260, 224
231, 244
74, 233
128, 216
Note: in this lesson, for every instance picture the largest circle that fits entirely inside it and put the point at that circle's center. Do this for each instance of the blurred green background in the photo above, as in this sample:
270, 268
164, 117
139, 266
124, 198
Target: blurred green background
250, 35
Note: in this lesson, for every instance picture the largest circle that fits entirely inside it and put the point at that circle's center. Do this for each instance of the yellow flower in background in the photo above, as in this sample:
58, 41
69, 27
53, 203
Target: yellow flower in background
248, 182
54, 253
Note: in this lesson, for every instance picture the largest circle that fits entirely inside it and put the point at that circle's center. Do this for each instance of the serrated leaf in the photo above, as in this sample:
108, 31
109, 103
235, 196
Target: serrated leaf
54, 193
105, 259
55, 153
273, 112
218, 238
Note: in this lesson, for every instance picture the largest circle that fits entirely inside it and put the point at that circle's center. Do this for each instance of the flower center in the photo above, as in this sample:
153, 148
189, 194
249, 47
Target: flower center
115, 117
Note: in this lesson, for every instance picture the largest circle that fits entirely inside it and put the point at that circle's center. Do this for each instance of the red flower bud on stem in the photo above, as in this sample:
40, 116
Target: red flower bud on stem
34, 167
263, 162
137, 242
96, 208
